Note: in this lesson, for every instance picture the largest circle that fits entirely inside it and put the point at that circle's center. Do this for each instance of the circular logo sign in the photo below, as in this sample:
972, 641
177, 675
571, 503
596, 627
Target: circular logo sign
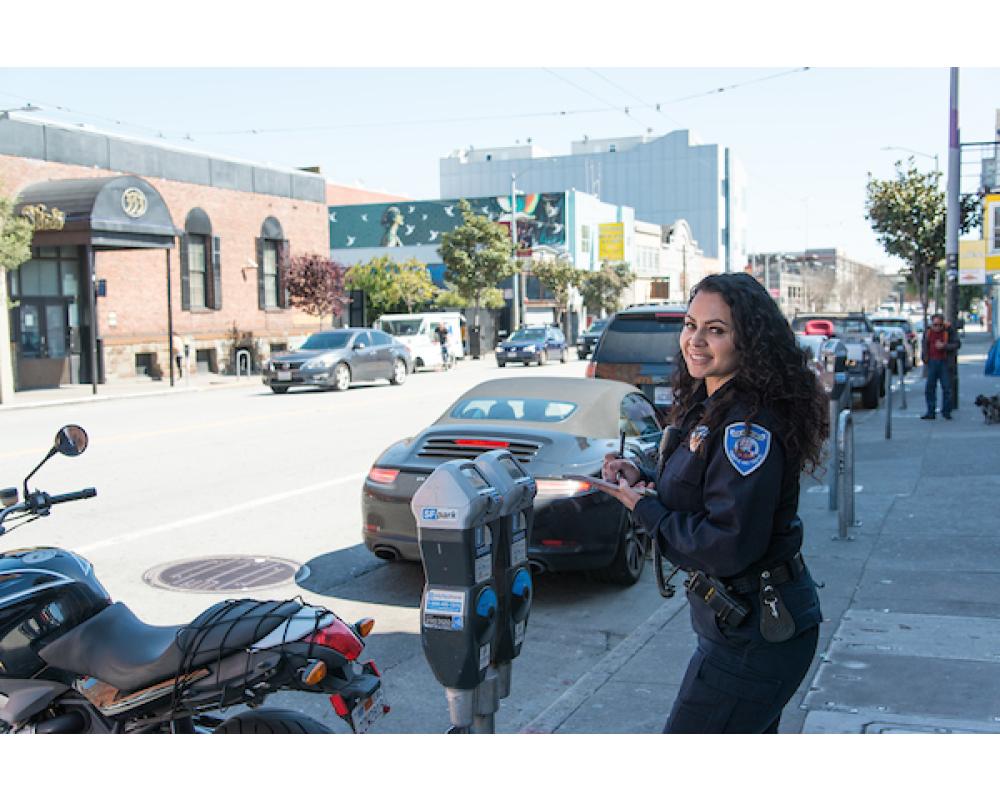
134, 202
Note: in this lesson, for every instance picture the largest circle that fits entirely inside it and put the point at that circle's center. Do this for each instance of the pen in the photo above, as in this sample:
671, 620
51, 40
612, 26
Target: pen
621, 453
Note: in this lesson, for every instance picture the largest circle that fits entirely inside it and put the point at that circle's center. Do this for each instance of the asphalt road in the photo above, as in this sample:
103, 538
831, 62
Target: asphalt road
242, 471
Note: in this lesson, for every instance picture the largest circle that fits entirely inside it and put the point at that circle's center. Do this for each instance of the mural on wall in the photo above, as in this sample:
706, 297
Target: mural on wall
541, 220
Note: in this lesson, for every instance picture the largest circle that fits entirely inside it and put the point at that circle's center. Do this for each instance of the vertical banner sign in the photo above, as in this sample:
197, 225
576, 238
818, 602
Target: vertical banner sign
611, 241
972, 262
991, 234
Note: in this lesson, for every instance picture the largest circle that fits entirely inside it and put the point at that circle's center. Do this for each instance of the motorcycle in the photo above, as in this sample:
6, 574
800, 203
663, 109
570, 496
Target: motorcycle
73, 661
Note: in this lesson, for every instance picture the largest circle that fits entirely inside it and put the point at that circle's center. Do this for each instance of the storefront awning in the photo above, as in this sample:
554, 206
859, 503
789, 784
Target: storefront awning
123, 212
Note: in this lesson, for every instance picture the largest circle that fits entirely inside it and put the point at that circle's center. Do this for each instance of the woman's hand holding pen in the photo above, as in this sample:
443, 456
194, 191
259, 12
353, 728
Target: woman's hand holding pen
626, 474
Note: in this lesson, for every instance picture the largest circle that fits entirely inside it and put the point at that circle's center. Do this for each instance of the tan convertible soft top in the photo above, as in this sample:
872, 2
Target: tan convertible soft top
598, 403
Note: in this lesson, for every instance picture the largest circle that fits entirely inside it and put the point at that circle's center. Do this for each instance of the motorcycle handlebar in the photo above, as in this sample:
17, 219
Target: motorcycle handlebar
83, 494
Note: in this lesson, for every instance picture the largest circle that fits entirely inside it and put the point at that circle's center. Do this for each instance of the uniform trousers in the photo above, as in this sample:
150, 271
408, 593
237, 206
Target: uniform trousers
741, 688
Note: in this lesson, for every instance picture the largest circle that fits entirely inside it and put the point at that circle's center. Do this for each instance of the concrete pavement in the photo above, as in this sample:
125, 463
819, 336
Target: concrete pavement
910, 640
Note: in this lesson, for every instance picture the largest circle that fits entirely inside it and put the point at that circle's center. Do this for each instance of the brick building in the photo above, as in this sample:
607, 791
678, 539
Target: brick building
131, 208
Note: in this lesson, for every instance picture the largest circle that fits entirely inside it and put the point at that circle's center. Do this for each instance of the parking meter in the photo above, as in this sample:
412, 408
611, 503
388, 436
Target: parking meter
833, 354
458, 609
511, 531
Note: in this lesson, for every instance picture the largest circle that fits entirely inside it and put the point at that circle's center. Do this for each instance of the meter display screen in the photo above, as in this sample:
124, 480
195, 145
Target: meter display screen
513, 468
475, 479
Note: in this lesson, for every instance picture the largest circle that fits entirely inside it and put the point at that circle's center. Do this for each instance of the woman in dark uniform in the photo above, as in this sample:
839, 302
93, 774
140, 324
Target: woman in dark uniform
748, 417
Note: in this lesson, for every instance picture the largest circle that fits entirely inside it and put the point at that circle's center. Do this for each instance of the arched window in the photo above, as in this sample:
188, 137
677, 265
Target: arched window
272, 260
201, 274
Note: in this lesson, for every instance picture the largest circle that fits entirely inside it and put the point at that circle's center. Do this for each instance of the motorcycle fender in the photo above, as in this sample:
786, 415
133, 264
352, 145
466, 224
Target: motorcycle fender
21, 699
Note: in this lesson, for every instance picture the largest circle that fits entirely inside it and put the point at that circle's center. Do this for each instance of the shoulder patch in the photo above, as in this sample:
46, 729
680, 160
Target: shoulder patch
746, 450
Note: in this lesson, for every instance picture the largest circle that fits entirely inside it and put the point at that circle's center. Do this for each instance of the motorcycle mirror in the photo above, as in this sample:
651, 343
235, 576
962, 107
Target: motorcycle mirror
71, 440
8, 496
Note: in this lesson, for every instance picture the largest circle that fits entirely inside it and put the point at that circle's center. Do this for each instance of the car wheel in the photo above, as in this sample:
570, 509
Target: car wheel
870, 393
564, 356
341, 377
418, 364
279, 389
398, 372
543, 358
625, 568
501, 364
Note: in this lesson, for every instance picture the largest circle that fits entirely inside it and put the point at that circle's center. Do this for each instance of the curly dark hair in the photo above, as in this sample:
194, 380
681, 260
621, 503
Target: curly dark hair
772, 372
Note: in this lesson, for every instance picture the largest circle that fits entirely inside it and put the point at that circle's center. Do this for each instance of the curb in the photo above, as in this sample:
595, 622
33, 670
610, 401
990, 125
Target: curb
587, 685
96, 398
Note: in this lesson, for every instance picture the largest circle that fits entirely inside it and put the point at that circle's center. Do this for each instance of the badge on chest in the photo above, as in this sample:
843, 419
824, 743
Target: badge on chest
698, 435
746, 448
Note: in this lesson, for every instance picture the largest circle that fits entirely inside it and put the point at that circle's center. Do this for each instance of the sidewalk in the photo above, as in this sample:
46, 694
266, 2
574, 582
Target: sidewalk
911, 635
122, 388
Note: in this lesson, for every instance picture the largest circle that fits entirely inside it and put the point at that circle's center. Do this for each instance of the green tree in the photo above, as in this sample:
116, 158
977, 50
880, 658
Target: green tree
602, 290
376, 279
15, 236
414, 285
450, 297
477, 256
558, 277
908, 215
316, 285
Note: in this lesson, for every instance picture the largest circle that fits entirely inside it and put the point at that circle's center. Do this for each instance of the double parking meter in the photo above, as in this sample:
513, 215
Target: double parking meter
510, 542
833, 354
473, 520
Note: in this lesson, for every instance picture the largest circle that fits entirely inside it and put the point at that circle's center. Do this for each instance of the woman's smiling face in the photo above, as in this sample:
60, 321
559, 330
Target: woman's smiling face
708, 340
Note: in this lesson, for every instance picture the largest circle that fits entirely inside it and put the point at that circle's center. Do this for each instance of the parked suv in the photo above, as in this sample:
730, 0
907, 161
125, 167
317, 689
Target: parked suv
587, 342
865, 352
534, 344
642, 346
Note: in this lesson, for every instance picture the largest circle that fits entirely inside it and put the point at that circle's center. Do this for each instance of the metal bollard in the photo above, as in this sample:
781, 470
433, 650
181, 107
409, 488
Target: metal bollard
901, 369
845, 468
836, 406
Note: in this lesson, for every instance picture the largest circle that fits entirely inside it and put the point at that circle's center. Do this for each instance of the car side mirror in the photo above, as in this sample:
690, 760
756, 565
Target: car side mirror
359, 346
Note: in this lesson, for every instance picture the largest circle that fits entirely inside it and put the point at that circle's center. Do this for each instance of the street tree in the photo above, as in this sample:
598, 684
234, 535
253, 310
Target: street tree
558, 276
602, 289
908, 214
316, 285
414, 285
450, 297
376, 278
478, 255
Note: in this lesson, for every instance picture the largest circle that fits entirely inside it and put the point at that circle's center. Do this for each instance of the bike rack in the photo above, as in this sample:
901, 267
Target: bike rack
242, 361
845, 472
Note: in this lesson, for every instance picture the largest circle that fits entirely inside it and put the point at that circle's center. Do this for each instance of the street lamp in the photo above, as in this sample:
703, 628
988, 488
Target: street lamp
916, 153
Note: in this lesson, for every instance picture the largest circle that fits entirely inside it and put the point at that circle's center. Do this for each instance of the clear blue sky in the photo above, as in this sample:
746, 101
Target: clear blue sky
807, 140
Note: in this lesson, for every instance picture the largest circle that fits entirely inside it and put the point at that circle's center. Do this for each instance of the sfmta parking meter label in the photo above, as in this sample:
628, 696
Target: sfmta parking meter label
433, 514
444, 610
519, 549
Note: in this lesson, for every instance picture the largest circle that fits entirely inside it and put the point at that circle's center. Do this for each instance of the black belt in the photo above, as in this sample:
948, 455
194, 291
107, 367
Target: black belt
783, 572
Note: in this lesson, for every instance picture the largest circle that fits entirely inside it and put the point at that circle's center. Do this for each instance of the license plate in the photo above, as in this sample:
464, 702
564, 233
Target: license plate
663, 395
368, 711
284, 374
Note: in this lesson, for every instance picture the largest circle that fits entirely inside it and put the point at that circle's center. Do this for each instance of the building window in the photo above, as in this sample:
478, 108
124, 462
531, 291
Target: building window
272, 259
585, 238
612, 148
659, 290
197, 271
270, 267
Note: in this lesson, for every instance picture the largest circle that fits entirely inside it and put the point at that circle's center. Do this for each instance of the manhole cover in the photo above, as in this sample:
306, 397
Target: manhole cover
225, 574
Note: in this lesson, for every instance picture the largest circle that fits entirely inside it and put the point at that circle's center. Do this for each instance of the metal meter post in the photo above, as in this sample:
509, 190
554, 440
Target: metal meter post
834, 357
458, 609
512, 530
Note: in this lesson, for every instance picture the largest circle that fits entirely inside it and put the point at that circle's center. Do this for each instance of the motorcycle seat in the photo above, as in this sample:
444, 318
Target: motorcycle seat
118, 648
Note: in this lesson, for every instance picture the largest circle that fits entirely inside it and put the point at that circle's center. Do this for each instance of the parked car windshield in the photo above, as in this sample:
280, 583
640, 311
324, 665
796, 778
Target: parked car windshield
334, 340
898, 322
628, 339
527, 334
402, 327
513, 408
597, 325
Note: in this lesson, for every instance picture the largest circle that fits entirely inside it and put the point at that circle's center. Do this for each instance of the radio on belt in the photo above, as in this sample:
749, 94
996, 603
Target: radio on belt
458, 610
510, 556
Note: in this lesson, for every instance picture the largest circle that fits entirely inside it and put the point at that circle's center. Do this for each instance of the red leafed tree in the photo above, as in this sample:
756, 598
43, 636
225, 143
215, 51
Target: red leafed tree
316, 285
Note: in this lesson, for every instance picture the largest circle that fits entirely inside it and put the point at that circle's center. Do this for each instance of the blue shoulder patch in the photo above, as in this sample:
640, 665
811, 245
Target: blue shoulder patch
746, 450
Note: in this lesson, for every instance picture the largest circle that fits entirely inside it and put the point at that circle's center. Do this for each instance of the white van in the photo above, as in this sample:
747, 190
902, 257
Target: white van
417, 331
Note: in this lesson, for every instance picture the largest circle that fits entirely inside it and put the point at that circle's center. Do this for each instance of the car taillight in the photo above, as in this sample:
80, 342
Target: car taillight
337, 636
591, 370
561, 487
490, 443
380, 475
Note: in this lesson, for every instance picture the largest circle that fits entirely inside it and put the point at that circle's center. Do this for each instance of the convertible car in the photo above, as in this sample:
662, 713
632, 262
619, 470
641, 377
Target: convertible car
554, 427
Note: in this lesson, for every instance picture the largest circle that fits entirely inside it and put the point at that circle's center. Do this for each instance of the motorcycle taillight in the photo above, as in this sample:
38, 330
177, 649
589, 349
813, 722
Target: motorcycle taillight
337, 636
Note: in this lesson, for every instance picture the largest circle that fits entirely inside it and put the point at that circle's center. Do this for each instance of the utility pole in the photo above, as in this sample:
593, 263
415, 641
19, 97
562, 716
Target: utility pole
515, 316
951, 240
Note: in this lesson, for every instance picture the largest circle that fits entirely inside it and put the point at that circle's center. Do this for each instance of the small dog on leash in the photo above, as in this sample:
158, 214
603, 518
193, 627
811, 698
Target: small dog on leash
990, 407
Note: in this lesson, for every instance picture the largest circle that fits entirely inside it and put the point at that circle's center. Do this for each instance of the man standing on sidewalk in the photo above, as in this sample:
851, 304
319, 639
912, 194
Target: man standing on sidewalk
940, 341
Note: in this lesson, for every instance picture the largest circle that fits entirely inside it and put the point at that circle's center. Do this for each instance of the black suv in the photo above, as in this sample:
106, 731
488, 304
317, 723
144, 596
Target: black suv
865, 353
642, 345
587, 342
